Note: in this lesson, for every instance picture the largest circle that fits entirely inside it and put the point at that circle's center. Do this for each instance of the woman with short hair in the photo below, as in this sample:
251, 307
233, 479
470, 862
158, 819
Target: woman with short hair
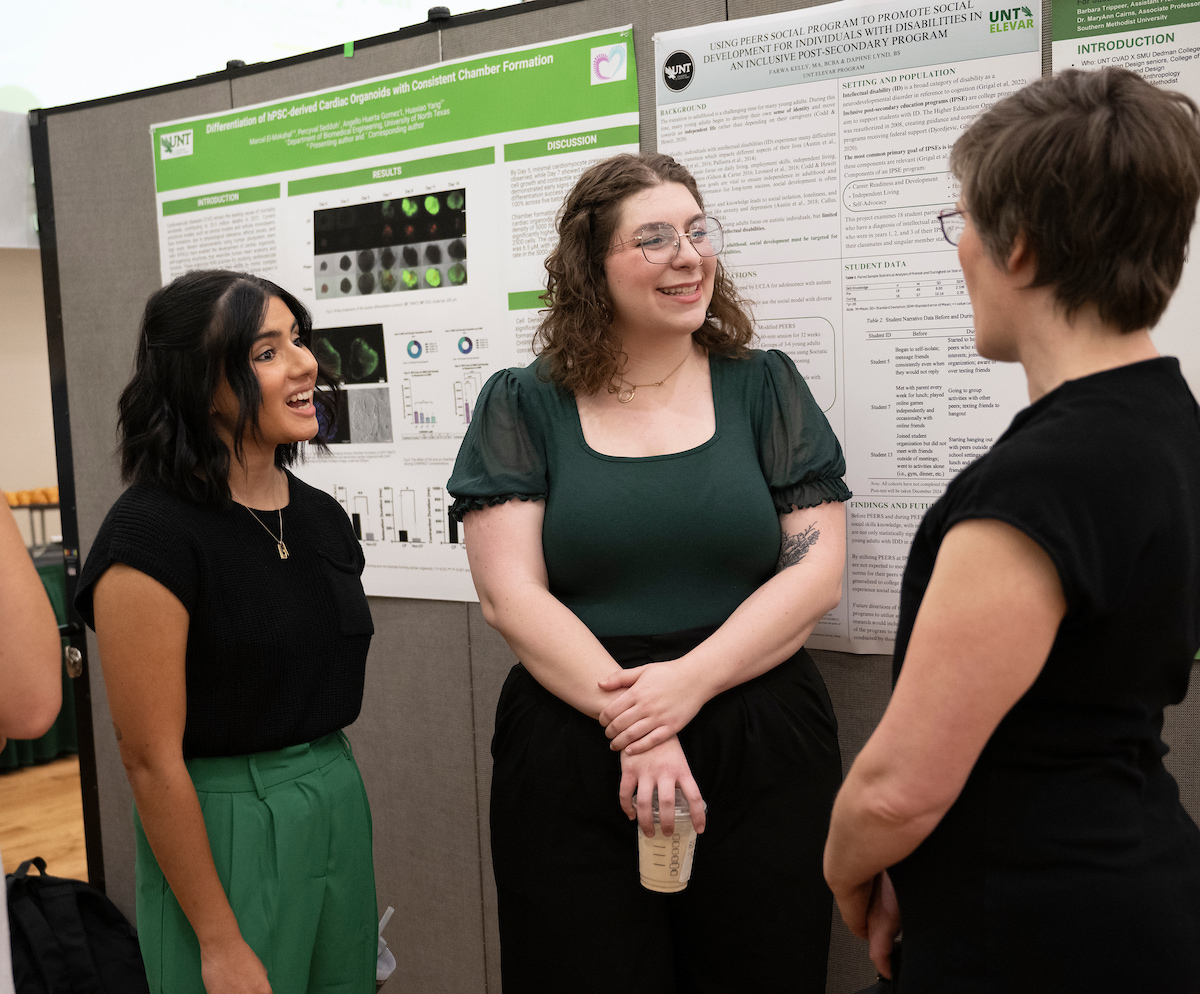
653, 515
233, 633
1014, 791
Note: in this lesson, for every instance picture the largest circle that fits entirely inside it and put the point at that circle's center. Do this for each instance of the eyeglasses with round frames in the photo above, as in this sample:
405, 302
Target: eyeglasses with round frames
660, 241
953, 223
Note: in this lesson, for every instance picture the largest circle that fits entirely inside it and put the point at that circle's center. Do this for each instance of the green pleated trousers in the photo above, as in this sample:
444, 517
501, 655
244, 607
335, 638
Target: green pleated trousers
290, 833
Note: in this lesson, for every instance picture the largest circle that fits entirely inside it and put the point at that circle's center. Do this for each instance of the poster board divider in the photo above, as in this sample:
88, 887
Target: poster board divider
56, 347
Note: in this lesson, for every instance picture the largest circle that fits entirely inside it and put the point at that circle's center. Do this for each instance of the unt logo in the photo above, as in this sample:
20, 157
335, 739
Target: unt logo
1010, 19
175, 144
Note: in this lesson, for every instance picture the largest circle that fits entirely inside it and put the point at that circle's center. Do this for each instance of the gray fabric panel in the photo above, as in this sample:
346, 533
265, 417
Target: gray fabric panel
103, 180
580, 18
859, 687
337, 70
415, 745
1181, 732
491, 659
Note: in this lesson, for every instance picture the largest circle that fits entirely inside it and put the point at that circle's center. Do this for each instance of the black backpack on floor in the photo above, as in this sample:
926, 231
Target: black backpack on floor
68, 938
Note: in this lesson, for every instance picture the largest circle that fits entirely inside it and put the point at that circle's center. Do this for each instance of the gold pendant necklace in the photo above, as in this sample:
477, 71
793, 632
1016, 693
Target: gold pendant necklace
625, 391
283, 549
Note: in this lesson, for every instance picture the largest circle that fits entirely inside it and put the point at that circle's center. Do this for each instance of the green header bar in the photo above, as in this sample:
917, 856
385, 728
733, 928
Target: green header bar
526, 300
399, 170
458, 101
228, 198
1072, 19
558, 145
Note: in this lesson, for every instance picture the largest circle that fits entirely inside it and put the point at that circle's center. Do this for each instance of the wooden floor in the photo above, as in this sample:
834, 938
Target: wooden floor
41, 814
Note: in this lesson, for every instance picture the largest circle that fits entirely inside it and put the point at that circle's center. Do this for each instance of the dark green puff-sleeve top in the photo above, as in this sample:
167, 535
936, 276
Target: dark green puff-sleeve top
655, 544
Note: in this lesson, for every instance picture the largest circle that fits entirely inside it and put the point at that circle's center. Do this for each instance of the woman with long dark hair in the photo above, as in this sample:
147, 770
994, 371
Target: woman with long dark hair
233, 634
653, 515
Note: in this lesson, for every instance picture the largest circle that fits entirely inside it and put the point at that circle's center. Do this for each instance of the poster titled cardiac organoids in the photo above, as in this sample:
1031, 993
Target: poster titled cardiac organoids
391, 246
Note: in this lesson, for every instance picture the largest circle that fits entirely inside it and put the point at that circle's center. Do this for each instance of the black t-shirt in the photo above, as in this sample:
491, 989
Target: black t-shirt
1067, 862
276, 648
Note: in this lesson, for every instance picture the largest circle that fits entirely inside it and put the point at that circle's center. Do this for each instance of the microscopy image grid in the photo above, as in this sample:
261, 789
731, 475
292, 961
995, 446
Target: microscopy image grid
412, 243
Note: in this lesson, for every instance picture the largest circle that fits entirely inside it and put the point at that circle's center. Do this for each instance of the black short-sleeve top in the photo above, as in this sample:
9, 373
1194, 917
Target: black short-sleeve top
1069, 821
276, 648
646, 545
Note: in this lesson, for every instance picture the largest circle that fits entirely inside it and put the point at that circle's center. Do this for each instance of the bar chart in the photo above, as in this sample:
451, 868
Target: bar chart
444, 527
466, 392
399, 512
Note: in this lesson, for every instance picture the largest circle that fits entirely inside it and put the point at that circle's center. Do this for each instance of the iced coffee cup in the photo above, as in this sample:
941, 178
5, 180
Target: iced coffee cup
665, 861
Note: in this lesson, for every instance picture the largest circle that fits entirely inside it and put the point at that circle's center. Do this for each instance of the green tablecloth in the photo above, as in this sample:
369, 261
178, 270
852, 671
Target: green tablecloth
61, 738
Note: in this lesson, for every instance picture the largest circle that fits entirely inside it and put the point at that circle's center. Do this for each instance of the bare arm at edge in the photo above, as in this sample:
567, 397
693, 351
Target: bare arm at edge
30, 650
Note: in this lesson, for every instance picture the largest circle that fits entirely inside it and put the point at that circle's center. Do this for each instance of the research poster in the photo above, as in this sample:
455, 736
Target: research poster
820, 138
411, 214
1159, 40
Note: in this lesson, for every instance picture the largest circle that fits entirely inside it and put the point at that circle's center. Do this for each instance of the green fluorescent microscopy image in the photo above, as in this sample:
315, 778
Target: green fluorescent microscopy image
409, 279
387, 209
328, 356
455, 200
410, 207
433, 278
432, 204
364, 360
457, 274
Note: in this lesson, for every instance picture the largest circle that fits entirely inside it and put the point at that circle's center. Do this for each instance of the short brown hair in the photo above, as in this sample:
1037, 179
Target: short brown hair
1099, 171
574, 341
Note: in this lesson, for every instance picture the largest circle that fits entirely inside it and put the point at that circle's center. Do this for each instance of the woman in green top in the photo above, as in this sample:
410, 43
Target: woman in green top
678, 532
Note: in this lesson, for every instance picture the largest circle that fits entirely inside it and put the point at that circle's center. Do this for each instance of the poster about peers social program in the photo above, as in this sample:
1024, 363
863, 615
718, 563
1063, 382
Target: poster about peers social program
820, 137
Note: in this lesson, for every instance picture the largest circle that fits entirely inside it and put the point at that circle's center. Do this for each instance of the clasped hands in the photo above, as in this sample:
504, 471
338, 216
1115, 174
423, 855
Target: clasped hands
643, 724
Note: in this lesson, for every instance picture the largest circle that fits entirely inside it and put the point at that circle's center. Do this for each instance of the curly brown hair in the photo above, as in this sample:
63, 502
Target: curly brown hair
574, 340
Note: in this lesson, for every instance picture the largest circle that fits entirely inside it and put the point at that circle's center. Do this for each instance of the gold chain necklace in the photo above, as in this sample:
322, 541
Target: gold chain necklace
283, 549
626, 391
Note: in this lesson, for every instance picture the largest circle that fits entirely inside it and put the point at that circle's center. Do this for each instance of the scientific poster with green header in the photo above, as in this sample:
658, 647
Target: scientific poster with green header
1160, 41
411, 214
820, 138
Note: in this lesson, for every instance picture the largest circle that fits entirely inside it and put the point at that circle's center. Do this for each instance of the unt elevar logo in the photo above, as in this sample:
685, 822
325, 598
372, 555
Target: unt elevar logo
175, 144
1010, 19
678, 69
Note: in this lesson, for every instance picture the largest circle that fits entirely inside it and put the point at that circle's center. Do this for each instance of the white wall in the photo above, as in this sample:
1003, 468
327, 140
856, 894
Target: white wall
18, 227
27, 447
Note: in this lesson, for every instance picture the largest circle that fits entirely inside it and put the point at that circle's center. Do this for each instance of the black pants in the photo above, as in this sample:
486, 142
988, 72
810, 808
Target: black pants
755, 916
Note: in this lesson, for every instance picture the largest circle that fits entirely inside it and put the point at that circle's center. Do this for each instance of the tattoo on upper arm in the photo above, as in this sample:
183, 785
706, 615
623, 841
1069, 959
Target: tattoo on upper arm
795, 547
117, 729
